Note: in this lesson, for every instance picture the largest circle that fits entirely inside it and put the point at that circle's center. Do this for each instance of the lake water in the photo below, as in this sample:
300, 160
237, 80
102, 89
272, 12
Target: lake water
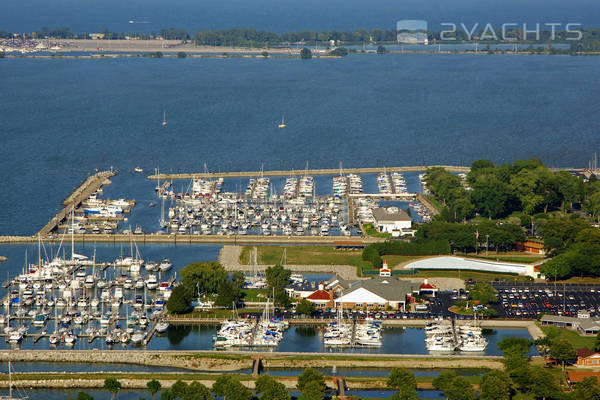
296, 339
152, 15
64, 118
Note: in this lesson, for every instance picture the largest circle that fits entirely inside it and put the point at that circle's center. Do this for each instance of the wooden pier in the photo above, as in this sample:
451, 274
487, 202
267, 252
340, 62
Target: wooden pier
329, 171
90, 185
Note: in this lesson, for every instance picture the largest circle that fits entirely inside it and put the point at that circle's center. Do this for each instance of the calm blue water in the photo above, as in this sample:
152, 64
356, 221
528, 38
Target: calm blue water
91, 16
63, 118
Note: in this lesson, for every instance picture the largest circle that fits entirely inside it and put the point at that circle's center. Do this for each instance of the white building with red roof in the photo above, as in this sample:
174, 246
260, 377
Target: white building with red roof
321, 298
427, 289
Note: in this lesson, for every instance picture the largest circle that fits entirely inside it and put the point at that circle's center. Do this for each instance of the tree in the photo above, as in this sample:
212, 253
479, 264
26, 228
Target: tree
179, 301
204, 277
460, 389
444, 380
562, 351
404, 382
305, 307
113, 386
544, 384
153, 387
197, 391
587, 389
400, 377
339, 52
179, 389
309, 375
305, 54
238, 279
84, 396
226, 295
483, 293
270, 389
277, 278
597, 342
265, 54
231, 388
313, 390
381, 50
495, 385
181, 54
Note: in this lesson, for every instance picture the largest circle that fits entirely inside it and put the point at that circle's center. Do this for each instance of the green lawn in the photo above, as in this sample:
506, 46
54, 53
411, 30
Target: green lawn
315, 255
573, 337
255, 294
305, 255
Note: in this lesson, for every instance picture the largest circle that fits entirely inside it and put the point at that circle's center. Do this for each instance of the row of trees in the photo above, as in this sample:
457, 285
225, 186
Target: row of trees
468, 237
590, 39
495, 192
423, 247
575, 245
210, 278
206, 278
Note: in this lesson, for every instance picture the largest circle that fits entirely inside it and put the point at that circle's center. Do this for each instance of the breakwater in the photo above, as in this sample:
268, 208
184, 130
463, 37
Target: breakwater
230, 361
90, 185
188, 239
323, 171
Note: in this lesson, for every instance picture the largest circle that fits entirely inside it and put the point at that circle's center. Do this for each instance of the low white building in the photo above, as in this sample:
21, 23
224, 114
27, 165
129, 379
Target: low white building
393, 220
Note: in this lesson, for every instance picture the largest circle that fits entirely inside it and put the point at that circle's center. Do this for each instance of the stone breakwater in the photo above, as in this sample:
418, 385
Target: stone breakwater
153, 358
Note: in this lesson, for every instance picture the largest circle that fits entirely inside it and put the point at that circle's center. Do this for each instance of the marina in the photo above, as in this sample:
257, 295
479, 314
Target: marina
296, 209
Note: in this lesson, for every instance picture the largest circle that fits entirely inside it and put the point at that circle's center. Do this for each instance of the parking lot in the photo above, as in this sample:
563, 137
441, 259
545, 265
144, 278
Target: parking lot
515, 301
530, 300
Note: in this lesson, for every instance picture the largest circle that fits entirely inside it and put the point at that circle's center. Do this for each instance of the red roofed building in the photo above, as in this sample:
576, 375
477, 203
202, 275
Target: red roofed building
384, 270
321, 297
588, 358
574, 377
427, 289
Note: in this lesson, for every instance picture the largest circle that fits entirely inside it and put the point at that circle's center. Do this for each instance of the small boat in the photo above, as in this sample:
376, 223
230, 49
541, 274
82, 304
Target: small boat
162, 326
138, 169
164, 123
138, 337
282, 124
165, 265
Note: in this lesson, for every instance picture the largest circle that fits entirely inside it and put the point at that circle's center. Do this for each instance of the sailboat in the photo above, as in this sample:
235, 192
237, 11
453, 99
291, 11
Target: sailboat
164, 123
10, 388
282, 124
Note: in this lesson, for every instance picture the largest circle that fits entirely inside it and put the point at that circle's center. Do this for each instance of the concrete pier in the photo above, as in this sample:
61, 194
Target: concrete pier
327, 171
191, 239
90, 185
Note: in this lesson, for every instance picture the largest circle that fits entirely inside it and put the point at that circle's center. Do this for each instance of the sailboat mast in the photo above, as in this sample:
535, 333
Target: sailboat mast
72, 234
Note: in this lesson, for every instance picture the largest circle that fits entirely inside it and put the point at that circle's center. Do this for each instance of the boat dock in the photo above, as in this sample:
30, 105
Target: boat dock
326, 171
80, 194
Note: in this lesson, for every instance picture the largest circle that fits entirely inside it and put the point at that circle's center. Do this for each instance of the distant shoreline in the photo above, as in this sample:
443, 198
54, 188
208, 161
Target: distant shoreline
171, 48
